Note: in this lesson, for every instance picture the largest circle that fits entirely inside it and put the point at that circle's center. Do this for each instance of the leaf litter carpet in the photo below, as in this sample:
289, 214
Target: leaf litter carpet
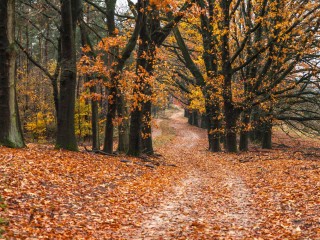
192, 194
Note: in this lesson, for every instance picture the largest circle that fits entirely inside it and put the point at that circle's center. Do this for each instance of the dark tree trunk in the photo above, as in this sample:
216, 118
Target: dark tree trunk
113, 89
267, 136
147, 146
213, 128
231, 117
94, 103
111, 114
135, 133
10, 129
257, 131
195, 118
210, 59
244, 135
190, 117
95, 121
66, 138
230, 111
151, 27
123, 126
186, 113
54, 80
135, 138
193, 113
204, 121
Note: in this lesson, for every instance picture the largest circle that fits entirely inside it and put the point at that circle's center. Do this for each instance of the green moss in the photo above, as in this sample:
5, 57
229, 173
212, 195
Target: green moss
11, 144
3, 222
69, 147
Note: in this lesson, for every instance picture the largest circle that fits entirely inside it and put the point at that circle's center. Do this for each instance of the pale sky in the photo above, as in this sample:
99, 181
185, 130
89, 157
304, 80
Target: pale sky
123, 3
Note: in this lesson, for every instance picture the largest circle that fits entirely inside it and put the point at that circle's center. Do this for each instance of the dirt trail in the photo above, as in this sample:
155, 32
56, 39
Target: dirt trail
188, 208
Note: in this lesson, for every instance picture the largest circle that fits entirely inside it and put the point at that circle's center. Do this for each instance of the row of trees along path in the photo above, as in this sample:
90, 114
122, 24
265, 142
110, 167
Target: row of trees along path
210, 198
245, 66
215, 197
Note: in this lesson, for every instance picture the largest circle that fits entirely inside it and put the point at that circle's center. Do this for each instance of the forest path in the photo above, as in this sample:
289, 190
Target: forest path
192, 194
210, 200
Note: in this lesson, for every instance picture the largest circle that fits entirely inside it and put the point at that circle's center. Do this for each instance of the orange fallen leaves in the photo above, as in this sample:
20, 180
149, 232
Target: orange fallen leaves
269, 194
59, 194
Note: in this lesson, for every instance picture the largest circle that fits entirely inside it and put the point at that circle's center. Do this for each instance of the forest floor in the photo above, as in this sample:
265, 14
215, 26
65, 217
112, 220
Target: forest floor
187, 193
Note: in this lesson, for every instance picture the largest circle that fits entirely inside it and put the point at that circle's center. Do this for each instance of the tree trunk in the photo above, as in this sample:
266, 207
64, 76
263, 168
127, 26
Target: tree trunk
135, 138
190, 117
10, 129
186, 113
113, 89
123, 126
244, 135
267, 136
231, 117
111, 114
204, 121
194, 118
54, 80
257, 131
147, 146
94, 103
95, 121
66, 138
213, 128
135, 133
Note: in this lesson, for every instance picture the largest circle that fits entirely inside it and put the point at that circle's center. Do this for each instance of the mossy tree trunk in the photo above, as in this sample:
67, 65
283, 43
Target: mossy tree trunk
10, 129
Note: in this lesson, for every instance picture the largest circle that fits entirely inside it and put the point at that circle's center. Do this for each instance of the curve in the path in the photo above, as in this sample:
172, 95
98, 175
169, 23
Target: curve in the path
185, 207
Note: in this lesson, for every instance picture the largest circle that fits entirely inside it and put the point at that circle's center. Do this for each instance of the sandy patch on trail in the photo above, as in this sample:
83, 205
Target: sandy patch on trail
207, 203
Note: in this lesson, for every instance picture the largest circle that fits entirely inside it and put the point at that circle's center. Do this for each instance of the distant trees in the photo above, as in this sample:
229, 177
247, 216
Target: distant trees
241, 67
251, 53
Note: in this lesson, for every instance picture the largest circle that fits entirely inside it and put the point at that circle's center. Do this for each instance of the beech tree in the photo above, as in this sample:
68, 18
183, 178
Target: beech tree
66, 138
152, 35
244, 73
10, 129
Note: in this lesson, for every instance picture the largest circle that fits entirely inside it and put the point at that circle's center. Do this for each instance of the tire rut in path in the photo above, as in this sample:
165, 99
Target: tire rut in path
176, 213
182, 207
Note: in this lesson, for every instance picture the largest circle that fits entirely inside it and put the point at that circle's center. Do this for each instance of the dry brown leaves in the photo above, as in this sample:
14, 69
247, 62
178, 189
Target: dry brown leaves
272, 194
60, 194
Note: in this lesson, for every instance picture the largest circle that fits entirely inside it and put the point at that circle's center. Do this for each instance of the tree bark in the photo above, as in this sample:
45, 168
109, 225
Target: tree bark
152, 35
267, 136
123, 128
147, 146
244, 135
118, 66
257, 131
204, 121
212, 113
135, 138
231, 117
10, 129
111, 114
66, 138
94, 103
230, 111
